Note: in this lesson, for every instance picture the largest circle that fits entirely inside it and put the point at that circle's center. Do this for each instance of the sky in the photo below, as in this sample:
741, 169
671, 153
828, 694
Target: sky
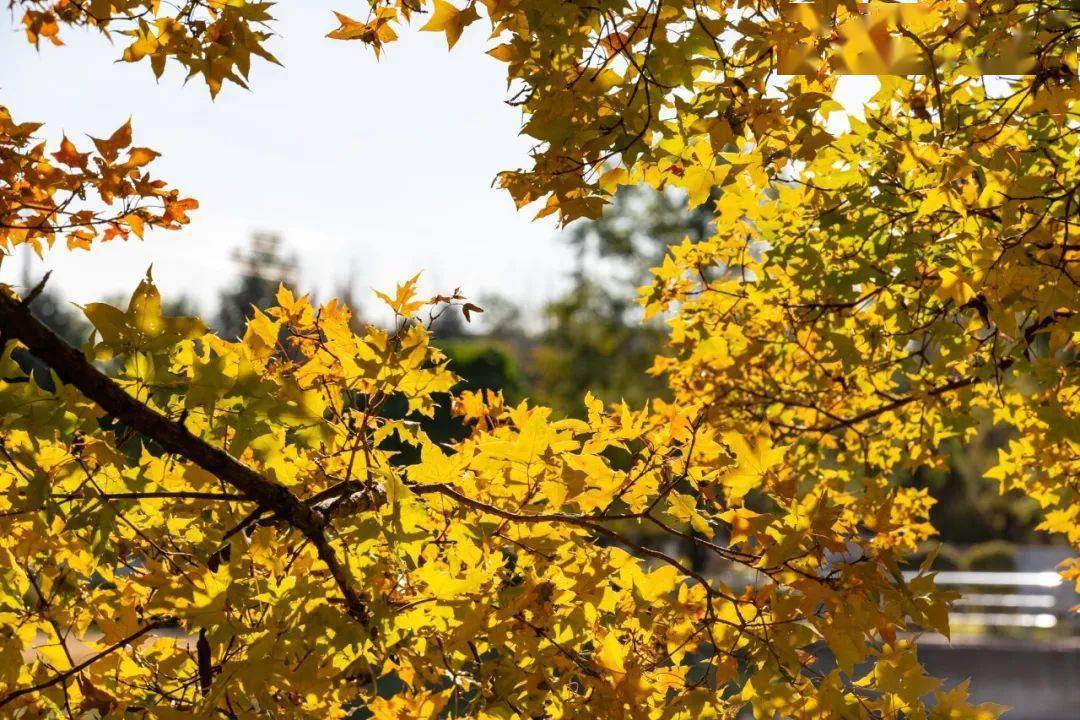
371, 170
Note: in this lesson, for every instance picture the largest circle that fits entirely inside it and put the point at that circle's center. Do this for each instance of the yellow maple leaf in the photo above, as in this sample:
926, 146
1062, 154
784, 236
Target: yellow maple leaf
611, 655
752, 462
404, 302
450, 20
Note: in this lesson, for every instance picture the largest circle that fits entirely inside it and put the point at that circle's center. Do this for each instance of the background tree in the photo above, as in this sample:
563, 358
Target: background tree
262, 268
594, 339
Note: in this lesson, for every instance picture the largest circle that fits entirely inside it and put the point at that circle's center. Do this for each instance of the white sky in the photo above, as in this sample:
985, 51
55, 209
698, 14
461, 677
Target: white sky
369, 169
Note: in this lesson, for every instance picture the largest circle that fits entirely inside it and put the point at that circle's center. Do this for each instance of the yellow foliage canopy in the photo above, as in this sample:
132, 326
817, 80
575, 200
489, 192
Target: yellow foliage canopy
228, 528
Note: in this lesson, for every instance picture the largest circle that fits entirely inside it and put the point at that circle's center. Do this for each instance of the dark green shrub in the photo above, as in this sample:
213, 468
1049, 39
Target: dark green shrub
993, 556
948, 557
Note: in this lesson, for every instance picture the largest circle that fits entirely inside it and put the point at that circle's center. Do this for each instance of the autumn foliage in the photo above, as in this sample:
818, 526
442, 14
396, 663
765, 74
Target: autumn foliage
198, 526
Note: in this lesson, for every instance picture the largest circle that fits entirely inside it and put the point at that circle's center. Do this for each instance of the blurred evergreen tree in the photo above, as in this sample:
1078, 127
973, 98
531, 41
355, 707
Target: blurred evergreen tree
591, 343
261, 267
970, 509
636, 229
482, 364
593, 338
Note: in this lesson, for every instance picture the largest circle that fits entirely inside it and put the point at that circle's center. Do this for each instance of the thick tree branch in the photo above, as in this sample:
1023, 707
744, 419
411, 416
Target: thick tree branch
72, 367
165, 495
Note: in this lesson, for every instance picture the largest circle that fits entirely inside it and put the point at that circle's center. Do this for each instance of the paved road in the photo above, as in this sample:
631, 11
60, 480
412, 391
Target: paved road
1040, 682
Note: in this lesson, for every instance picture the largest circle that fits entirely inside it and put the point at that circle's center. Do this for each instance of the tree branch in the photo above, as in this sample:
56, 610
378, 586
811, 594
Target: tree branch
72, 367
75, 669
579, 521
901, 402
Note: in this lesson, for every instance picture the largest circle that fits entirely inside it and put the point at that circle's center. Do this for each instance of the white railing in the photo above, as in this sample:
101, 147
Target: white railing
1036, 600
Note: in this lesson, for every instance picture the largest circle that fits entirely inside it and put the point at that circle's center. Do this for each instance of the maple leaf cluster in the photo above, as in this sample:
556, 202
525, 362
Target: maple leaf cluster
211, 39
48, 194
